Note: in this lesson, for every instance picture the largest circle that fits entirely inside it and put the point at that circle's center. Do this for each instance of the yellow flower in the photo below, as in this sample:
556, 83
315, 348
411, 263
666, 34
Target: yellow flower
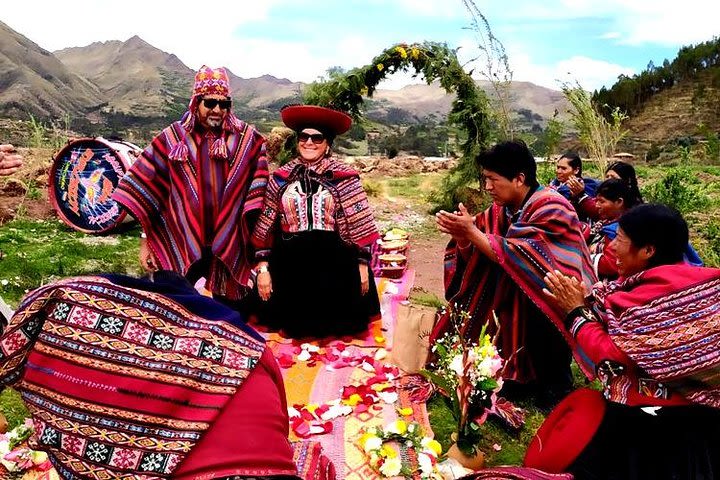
391, 467
414, 53
398, 426
311, 407
405, 412
401, 51
432, 445
380, 67
379, 387
387, 451
379, 338
353, 400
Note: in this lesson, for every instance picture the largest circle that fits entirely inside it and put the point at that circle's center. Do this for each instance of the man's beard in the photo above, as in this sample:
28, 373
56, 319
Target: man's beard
214, 123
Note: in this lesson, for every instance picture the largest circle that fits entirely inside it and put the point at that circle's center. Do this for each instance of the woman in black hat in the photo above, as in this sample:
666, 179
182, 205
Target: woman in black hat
314, 235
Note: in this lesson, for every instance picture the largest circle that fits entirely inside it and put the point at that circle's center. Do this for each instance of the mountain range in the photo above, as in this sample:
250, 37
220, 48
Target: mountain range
138, 82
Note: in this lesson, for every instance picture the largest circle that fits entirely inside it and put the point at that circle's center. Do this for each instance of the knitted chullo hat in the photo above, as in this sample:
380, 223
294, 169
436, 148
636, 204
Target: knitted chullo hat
211, 81
208, 81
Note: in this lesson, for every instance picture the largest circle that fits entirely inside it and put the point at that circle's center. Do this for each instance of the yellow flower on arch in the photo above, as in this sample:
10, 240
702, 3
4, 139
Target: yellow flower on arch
380, 66
403, 53
414, 53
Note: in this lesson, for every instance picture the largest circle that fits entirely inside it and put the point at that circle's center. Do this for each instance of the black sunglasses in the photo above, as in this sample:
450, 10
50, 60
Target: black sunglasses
317, 138
211, 103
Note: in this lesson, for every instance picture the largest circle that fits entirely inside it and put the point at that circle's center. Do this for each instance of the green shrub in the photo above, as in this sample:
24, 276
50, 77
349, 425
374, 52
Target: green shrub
710, 250
679, 188
12, 406
372, 188
545, 172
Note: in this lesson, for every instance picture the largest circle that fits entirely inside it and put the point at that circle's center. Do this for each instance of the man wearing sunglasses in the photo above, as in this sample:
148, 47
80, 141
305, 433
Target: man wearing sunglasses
197, 190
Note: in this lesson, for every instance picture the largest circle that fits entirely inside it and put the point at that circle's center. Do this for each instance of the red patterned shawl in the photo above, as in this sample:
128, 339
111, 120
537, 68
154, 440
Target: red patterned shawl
354, 218
121, 382
667, 320
547, 236
162, 190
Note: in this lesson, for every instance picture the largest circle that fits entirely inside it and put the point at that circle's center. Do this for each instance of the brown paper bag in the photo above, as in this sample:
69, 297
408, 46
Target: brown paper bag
411, 339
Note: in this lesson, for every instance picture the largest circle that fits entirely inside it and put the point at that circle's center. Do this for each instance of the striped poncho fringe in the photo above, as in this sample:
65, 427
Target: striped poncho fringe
354, 218
667, 320
546, 237
162, 190
121, 383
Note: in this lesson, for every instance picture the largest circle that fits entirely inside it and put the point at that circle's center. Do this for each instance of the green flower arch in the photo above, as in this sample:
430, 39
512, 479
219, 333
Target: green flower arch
434, 61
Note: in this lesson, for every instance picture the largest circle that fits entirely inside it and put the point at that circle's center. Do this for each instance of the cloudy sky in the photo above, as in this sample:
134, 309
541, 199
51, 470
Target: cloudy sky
589, 41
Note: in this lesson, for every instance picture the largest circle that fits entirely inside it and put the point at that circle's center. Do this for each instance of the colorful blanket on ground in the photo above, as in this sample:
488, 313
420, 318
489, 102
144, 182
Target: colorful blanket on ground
121, 383
667, 319
342, 386
545, 236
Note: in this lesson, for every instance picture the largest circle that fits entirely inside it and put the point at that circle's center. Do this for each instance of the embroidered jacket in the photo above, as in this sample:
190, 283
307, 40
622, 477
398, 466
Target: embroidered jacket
326, 196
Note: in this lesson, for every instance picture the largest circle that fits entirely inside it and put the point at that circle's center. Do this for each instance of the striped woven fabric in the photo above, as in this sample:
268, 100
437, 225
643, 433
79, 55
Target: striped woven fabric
121, 383
545, 237
353, 216
165, 191
667, 320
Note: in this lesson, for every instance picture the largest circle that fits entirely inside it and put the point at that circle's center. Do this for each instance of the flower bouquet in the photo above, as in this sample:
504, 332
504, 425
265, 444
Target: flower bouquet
17, 459
389, 450
468, 373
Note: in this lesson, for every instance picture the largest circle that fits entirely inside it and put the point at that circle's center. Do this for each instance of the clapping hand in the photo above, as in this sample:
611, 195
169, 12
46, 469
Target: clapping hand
10, 161
568, 292
576, 186
459, 224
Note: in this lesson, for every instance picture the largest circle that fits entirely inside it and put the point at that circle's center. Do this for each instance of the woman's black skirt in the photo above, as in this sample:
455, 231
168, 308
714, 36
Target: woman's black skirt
675, 443
316, 287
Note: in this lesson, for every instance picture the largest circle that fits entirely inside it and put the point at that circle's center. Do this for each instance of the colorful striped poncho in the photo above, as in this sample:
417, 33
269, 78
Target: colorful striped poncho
667, 320
122, 382
166, 192
353, 217
546, 236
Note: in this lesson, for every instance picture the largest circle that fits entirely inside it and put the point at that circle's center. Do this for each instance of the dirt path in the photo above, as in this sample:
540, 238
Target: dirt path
426, 257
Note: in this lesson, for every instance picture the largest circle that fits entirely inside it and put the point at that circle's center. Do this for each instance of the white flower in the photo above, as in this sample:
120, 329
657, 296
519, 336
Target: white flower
391, 467
373, 443
425, 463
380, 354
304, 356
457, 365
3, 282
388, 397
336, 411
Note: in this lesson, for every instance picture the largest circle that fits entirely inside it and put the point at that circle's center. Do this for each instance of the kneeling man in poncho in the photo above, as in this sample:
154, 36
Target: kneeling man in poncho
130, 378
496, 263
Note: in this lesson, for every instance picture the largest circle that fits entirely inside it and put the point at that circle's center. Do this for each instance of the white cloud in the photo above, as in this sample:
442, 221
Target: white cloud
591, 74
433, 8
56, 25
634, 22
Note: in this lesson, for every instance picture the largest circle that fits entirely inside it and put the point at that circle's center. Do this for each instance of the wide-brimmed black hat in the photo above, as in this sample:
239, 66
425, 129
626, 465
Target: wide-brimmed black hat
329, 121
